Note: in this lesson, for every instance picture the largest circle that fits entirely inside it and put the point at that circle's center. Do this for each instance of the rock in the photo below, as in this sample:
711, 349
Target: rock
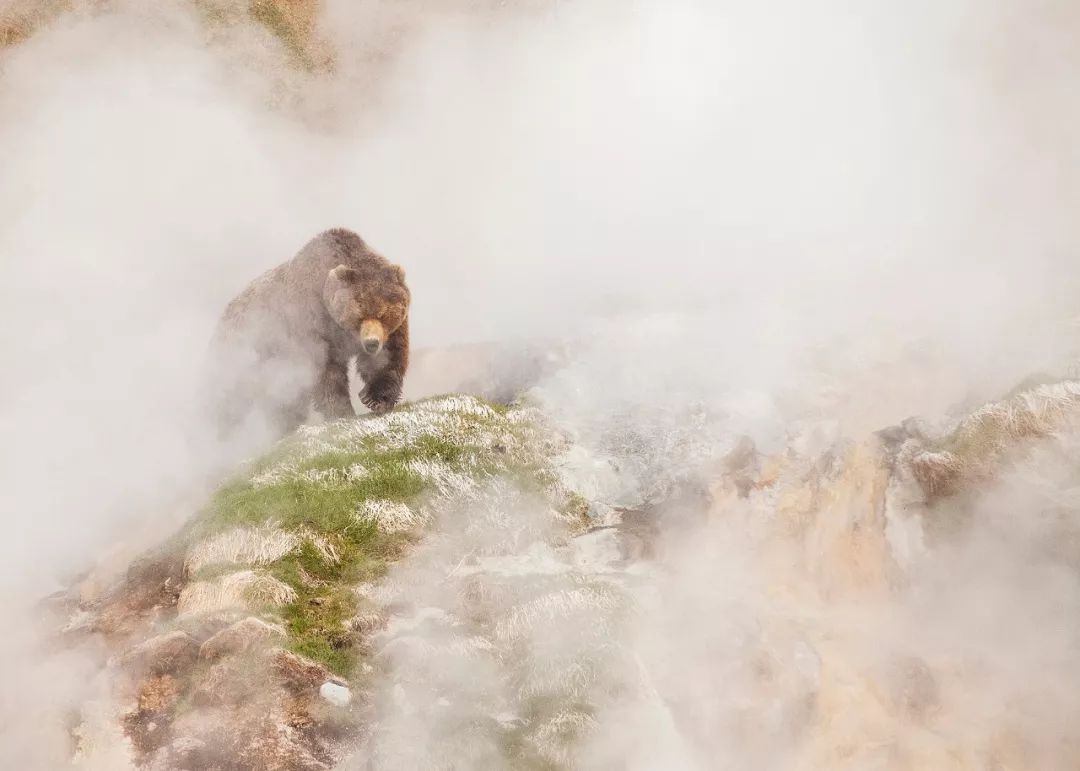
892, 436
158, 694
298, 673
156, 700
338, 695
638, 533
227, 682
151, 586
275, 746
238, 638
204, 626
916, 428
171, 653
242, 738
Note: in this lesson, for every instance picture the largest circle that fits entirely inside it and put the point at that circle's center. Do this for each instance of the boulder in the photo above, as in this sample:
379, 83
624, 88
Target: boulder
230, 681
238, 638
171, 653
298, 673
336, 694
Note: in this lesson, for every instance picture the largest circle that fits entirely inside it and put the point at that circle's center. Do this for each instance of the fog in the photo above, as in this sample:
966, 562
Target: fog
856, 212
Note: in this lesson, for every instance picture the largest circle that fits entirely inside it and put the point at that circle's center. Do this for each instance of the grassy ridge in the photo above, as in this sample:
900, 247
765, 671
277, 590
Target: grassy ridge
315, 483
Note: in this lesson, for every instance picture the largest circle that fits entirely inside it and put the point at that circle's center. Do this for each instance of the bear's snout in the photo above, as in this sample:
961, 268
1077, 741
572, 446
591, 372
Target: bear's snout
372, 336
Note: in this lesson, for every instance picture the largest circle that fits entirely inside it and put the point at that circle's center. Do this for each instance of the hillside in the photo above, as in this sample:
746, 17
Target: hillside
457, 584
279, 575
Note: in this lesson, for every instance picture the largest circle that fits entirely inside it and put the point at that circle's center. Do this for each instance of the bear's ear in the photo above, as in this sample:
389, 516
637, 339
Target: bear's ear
338, 292
399, 272
343, 274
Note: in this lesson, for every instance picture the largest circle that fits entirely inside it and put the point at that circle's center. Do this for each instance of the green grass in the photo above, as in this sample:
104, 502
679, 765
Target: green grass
295, 503
317, 621
390, 463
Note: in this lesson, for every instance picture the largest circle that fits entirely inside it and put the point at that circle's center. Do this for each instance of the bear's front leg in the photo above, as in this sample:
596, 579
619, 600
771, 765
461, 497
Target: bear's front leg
383, 386
332, 393
382, 392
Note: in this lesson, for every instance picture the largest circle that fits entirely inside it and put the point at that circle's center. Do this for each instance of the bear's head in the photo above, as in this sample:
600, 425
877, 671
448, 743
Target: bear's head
370, 301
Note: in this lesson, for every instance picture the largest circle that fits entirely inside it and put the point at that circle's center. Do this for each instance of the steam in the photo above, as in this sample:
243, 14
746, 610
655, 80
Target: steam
778, 216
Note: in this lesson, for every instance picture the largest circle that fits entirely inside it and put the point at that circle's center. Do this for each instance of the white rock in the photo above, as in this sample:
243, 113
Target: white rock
338, 695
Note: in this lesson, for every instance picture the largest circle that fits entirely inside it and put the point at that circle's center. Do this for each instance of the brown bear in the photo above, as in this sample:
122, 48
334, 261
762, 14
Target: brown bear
286, 340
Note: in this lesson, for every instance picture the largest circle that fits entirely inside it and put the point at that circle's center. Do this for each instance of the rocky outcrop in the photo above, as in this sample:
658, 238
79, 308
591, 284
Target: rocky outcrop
244, 644
166, 654
239, 638
983, 440
530, 615
247, 710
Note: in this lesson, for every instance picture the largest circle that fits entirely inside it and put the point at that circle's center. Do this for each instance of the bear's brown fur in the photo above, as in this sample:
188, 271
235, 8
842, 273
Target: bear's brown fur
287, 339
